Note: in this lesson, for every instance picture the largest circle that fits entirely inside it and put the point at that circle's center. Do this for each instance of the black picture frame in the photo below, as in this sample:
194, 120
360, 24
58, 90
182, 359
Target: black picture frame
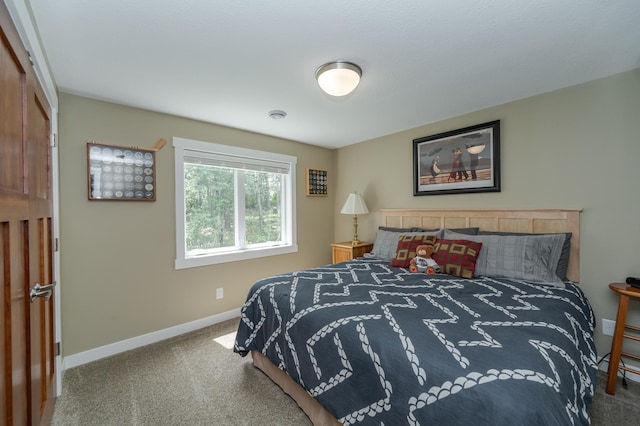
460, 161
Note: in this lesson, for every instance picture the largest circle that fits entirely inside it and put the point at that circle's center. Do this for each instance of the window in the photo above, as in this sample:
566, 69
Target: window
232, 203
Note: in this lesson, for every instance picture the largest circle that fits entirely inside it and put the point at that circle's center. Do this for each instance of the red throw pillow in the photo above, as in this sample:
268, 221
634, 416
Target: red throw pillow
457, 257
406, 249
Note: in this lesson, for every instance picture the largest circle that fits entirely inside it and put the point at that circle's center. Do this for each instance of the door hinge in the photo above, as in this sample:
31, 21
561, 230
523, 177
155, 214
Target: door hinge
57, 349
56, 245
54, 140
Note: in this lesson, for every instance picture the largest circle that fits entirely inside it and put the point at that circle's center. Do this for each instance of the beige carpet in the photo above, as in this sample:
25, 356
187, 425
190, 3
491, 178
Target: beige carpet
194, 380
620, 410
186, 380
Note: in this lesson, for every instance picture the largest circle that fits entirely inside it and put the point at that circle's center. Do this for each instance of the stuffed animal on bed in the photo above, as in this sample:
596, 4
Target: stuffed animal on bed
423, 261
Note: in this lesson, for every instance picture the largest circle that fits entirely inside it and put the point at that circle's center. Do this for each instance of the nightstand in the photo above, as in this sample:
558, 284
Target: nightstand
344, 251
625, 292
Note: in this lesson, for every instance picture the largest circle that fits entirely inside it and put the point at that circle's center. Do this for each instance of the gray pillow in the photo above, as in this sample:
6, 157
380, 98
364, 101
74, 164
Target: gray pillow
467, 231
532, 258
387, 228
386, 243
563, 262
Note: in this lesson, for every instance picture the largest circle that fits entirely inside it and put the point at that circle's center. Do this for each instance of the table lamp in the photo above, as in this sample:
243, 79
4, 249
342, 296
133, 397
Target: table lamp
355, 205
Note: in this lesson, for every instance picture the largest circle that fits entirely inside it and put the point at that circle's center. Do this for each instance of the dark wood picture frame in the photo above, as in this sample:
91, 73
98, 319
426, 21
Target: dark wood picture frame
118, 173
460, 161
316, 183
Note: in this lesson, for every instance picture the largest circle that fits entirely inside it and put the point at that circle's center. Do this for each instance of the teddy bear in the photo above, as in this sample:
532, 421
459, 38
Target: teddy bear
423, 262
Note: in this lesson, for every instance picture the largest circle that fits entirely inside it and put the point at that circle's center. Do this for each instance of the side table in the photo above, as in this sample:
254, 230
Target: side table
341, 252
625, 292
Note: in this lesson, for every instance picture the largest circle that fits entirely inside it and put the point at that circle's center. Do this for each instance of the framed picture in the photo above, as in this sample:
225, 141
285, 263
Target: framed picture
457, 162
316, 183
117, 173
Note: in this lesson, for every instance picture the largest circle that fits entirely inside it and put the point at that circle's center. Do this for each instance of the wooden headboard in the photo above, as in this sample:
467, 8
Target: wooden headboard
531, 221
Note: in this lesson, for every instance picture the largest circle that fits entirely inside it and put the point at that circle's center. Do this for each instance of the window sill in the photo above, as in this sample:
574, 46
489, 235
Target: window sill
193, 262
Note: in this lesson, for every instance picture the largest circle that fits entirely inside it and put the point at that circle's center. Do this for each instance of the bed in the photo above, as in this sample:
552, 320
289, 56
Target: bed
364, 342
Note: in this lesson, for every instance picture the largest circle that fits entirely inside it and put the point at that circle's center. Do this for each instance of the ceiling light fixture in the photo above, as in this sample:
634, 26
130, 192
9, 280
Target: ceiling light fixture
338, 78
277, 114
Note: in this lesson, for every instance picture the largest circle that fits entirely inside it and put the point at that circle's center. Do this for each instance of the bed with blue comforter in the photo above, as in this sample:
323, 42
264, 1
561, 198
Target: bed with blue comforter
378, 345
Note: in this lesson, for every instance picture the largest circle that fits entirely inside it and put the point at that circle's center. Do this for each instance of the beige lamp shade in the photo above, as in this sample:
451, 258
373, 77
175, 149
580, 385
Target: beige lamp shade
354, 205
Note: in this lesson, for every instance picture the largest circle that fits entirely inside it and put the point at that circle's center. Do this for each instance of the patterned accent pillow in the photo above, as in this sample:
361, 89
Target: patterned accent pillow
406, 249
457, 257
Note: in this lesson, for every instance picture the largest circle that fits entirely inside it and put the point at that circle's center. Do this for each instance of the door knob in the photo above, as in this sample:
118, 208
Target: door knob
42, 291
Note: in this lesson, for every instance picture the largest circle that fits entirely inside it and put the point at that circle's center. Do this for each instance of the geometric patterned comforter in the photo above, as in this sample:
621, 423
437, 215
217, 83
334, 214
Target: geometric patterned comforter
378, 345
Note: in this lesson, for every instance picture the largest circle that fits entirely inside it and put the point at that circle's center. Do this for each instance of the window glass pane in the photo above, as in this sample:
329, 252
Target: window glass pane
209, 201
232, 203
263, 215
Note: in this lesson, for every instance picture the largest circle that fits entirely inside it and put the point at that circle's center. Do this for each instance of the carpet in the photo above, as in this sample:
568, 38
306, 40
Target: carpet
185, 380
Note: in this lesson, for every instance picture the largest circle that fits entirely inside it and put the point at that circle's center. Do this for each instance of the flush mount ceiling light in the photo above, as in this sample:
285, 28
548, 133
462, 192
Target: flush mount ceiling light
338, 78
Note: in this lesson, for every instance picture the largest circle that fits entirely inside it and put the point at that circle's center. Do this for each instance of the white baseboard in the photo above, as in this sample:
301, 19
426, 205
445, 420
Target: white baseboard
146, 339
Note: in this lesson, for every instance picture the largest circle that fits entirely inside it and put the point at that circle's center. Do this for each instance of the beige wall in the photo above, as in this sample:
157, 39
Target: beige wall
575, 148
117, 274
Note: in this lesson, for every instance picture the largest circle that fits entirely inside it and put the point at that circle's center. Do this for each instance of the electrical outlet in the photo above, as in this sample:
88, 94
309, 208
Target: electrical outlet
608, 327
219, 293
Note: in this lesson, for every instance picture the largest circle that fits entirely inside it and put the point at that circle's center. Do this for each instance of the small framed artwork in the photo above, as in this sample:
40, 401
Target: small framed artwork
457, 162
316, 183
117, 173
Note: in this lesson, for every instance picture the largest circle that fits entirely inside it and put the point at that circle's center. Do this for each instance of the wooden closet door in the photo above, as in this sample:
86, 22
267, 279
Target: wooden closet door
27, 382
41, 346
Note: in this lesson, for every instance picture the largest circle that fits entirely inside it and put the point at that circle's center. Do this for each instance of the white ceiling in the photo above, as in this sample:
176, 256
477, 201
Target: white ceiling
230, 62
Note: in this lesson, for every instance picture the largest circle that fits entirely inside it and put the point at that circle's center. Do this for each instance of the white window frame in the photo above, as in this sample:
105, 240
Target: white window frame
188, 147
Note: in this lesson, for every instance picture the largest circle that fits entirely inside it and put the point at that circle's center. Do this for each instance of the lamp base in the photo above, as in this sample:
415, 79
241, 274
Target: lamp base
355, 240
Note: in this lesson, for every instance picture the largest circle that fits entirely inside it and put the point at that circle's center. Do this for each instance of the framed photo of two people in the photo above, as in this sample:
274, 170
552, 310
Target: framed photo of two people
456, 162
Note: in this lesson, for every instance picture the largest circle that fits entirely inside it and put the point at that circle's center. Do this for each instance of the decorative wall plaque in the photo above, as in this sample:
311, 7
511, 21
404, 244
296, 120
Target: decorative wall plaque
117, 173
316, 183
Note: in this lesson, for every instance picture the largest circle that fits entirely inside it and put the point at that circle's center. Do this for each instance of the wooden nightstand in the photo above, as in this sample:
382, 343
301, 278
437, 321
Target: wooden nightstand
625, 292
341, 252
